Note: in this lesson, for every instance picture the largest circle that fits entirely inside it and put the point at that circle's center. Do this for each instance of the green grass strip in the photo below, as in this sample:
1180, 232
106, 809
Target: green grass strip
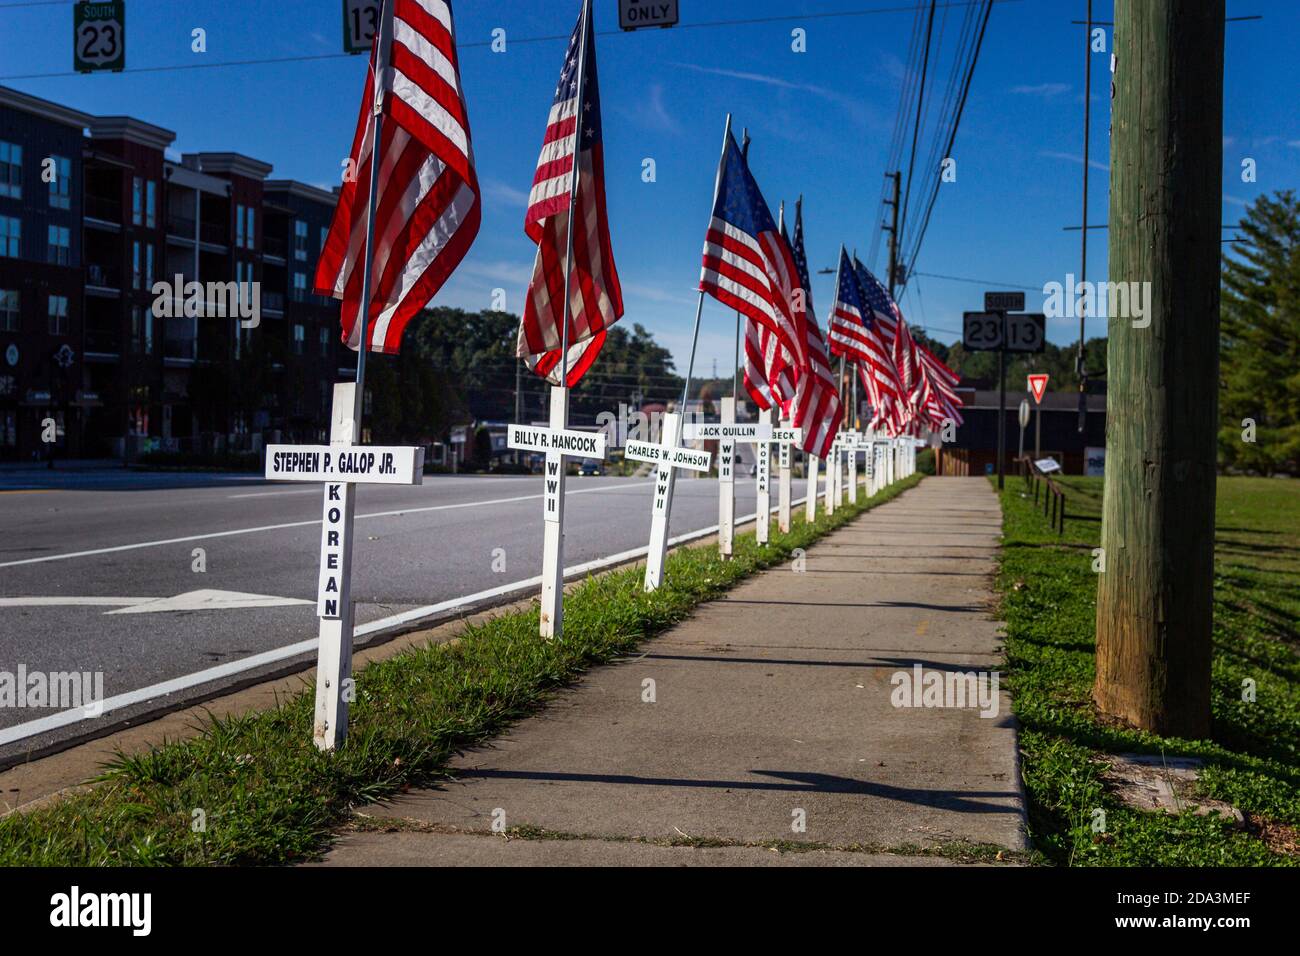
1048, 601
267, 796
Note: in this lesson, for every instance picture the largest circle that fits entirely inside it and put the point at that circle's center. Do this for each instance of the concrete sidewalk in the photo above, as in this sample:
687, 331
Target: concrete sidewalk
771, 706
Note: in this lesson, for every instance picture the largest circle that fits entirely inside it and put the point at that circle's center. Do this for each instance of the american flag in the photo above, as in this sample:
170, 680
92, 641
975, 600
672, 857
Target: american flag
850, 327
770, 372
427, 208
941, 384
747, 264
817, 407
572, 141
886, 387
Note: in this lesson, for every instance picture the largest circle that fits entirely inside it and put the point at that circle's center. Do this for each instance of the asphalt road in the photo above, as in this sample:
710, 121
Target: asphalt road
79, 561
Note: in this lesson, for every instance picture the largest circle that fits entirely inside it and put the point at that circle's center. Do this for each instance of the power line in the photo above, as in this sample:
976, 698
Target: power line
988, 282
706, 25
952, 136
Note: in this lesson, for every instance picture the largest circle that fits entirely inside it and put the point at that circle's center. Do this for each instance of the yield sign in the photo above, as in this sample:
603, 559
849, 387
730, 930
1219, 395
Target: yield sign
1038, 385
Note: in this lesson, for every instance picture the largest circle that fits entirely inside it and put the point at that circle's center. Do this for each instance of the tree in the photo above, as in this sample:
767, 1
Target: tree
1260, 340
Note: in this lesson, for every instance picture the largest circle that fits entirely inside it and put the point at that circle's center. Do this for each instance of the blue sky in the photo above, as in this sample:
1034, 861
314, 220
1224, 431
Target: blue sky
821, 123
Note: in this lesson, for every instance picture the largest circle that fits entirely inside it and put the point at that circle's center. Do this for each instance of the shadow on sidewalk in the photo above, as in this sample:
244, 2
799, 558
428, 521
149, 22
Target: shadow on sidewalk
968, 802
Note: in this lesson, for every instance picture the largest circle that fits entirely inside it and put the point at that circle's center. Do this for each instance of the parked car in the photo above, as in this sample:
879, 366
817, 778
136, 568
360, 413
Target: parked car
589, 466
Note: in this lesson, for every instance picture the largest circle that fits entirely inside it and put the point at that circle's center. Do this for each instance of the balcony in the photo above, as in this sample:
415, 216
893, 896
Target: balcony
272, 247
103, 341
185, 350
104, 209
273, 302
182, 227
103, 279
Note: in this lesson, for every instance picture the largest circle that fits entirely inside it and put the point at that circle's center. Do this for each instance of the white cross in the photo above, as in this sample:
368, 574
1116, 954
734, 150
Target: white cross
728, 433
668, 457
557, 442
342, 466
783, 437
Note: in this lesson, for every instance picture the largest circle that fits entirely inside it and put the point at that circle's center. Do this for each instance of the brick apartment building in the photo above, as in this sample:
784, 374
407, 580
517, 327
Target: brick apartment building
92, 214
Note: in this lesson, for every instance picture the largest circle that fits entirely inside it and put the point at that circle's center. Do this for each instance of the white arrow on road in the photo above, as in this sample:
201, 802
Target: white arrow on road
205, 599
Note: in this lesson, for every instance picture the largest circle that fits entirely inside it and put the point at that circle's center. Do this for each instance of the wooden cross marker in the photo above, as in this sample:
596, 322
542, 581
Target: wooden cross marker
810, 500
783, 438
342, 466
728, 433
881, 464
832, 466
557, 442
854, 447
667, 457
762, 484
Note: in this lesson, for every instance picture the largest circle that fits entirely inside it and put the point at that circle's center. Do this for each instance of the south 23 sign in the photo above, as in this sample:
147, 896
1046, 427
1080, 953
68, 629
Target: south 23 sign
99, 36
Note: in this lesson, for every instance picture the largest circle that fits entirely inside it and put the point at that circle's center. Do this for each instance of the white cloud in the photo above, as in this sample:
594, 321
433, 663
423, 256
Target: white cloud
1070, 157
505, 194
1045, 90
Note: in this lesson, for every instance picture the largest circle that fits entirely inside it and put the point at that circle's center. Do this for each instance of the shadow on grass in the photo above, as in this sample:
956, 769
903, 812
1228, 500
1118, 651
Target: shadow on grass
1251, 759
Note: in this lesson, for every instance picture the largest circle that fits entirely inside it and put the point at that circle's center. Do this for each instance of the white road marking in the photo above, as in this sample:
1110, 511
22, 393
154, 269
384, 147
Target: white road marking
276, 494
207, 599
296, 524
74, 601
65, 718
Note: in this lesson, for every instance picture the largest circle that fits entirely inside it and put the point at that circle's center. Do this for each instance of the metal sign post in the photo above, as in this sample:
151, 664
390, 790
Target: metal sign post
998, 330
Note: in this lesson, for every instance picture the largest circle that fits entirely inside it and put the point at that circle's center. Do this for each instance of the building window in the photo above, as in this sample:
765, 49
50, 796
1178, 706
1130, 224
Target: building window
324, 341
142, 330
11, 236
8, 429
61, 184
300, 287
151, 204
9, 314
300, 240
59, 250
299, 339
251, 233
11, 170
58, 315
137, 201
239, 226
148, 265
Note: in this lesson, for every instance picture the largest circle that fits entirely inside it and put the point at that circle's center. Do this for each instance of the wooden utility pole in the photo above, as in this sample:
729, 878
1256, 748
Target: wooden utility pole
892, 229
1155, 596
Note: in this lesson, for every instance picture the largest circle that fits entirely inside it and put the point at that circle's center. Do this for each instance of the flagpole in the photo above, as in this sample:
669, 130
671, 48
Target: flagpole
551, 612
573, 190
735, 375
384, 43
699, 305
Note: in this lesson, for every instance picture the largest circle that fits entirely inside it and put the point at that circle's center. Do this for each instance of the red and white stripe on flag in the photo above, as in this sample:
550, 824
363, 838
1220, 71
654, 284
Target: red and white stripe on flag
770, 373
427, 207
817, 407
595, 297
